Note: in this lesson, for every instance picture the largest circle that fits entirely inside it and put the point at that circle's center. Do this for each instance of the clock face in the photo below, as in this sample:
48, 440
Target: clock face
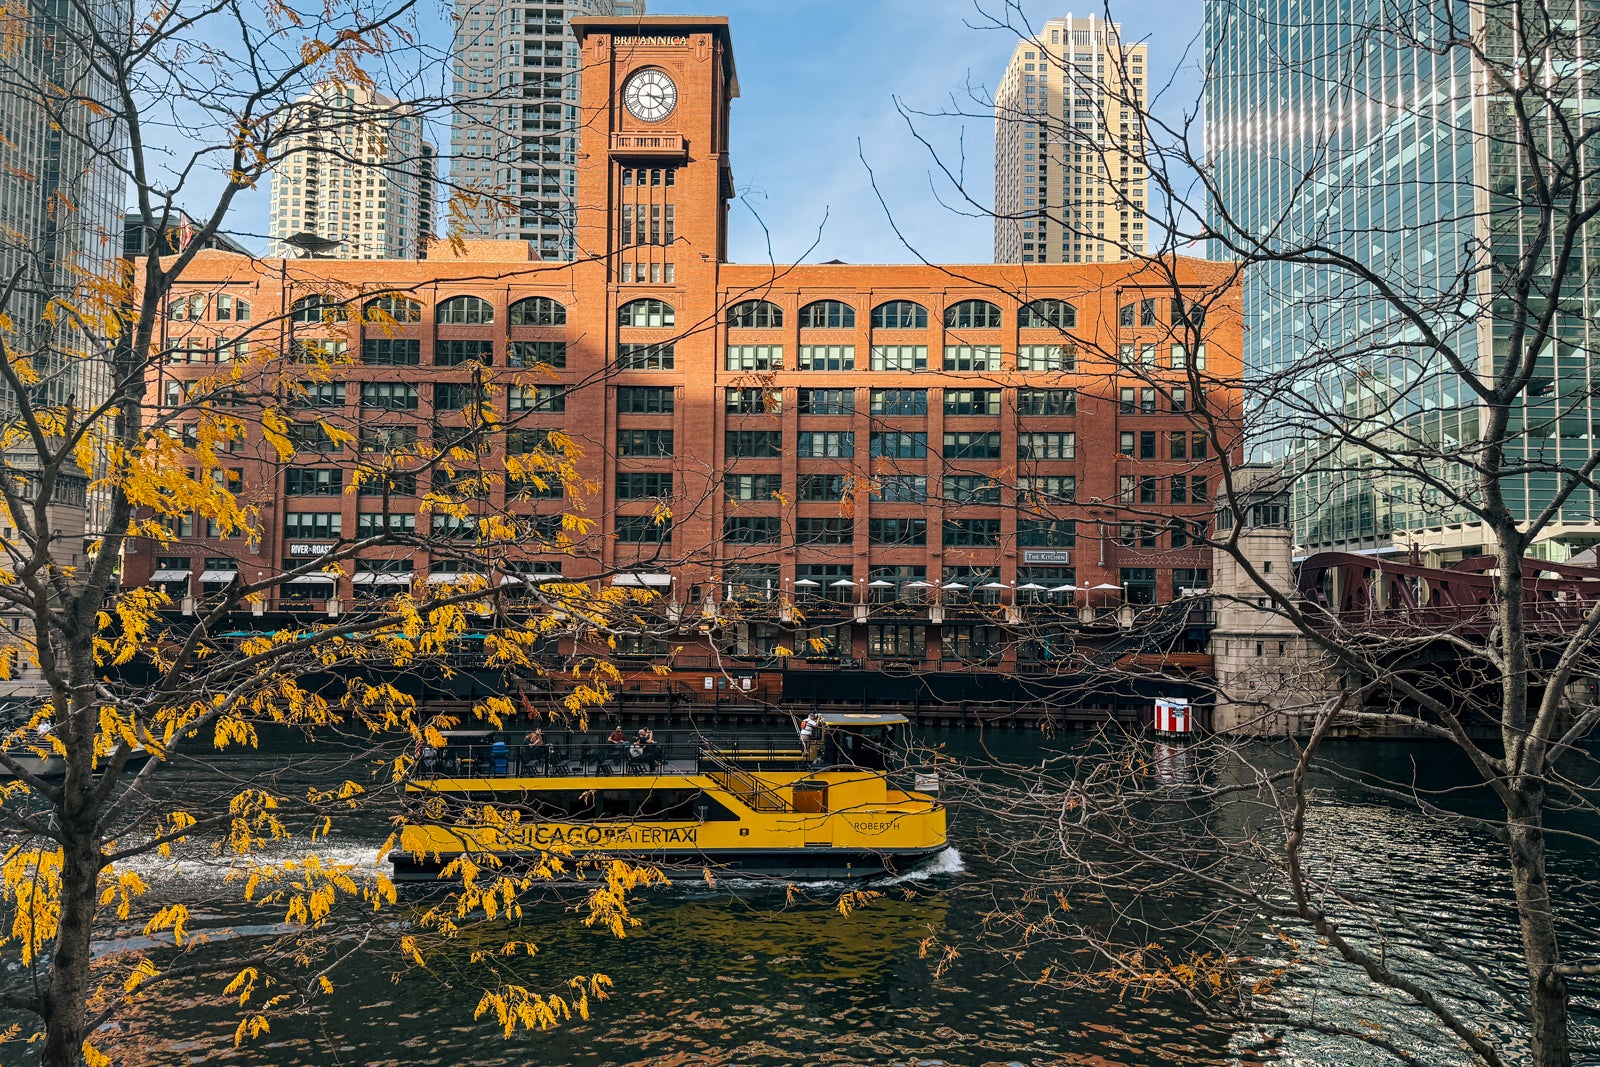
650, 95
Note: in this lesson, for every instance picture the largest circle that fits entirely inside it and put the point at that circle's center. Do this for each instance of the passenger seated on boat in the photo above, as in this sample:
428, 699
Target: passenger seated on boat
618, 737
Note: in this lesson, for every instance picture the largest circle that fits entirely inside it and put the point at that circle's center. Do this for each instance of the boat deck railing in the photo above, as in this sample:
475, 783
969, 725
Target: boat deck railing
587, 755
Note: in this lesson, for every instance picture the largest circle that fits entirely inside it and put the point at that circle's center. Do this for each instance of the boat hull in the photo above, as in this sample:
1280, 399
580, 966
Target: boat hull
778, 865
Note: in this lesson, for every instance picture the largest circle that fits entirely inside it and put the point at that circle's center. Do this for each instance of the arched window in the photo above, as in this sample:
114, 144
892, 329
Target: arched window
900, 315
317, 308
464, 311
972, 315
827, 315
646, 313
755, 315
392, 307
538, 311
1047, 314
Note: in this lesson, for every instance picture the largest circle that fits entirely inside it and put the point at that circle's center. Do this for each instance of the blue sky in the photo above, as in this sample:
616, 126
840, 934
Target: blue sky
819, 82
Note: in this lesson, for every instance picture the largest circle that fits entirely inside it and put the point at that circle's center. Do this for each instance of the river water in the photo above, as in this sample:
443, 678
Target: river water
746, 974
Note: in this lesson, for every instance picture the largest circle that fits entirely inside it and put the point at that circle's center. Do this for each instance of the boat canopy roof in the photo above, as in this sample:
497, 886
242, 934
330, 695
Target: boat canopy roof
845, 718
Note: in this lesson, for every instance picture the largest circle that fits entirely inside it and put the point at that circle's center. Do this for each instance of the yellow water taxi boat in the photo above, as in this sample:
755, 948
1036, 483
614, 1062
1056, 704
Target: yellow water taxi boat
771, 806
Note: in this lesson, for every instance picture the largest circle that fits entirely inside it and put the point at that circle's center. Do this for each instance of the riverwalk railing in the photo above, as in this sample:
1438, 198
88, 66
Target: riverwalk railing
479, 755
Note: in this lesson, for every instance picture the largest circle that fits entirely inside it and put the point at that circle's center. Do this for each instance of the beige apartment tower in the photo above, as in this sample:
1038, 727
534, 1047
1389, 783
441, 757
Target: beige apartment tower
1069, 170
357, 172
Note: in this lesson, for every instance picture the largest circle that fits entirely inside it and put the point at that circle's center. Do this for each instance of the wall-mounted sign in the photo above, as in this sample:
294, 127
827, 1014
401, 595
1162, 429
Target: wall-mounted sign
1046, 555
310, 550
631, 42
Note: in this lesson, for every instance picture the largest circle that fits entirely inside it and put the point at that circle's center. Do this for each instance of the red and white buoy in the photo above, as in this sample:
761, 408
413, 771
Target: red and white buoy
1174, 717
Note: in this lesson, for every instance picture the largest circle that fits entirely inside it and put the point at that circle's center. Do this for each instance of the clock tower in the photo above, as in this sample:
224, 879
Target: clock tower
654, 178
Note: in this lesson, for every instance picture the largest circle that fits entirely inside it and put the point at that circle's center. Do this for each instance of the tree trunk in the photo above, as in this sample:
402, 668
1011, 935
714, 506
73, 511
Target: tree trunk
66, 1005
1547, 990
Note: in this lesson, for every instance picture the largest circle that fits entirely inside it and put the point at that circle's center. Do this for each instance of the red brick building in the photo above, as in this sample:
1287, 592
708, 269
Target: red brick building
876, 467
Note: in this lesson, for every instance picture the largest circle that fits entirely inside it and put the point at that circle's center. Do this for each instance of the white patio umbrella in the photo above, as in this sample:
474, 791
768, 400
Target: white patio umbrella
1031, 587
993, 585
844, 583
807, 583
952, 585
880, 584
1107, 586
919, 585
1068, 588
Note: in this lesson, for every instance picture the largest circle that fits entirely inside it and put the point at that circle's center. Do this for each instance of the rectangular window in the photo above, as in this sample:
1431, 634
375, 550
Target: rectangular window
901, 489
640, 485
900, 445
525, 442
1047, 533
1192, 579
389, 396
1033, 402
319, 395
1047, 357
327, 350
1147, 489
369, 524
752, 486
973, 643
1147, 401
387, 483
829, 445
456, 396
457, 353
971, 446
643, 530
646, 356
1180, 399
899, 402
970, 489
645, 399
827, 357
751, 401
1138, 585
1147, 444
900, 357
971, 533
972, 357
646, 443
536, 398
751, 529
551, 354
755, 357
1199, 490
972, 401
1180, 445
1147, 312
827, 401
1125, 400
822, 577
391, 351
897, 531
1199, 445
1180, 357
1035, 446
307, 481
897, 642
823, 486
1044, 490
312, 525
754, 444
388, 438
531, 486
311, 437
825, 530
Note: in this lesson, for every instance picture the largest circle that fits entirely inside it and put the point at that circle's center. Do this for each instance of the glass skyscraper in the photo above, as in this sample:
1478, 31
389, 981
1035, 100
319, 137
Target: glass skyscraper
1367, 128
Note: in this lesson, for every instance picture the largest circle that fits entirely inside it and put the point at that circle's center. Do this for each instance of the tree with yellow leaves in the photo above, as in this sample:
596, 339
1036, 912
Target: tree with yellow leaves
122, 693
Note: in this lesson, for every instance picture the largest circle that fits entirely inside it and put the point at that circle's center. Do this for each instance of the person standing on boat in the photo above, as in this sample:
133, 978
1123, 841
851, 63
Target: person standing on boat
808, 736
536, 753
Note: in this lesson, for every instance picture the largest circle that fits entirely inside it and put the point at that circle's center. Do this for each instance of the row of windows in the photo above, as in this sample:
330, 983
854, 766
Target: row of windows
1041, 490
841, 444
407, 352
901, 358
400, 396
395, 308
903, 315
840, 530
903, 401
